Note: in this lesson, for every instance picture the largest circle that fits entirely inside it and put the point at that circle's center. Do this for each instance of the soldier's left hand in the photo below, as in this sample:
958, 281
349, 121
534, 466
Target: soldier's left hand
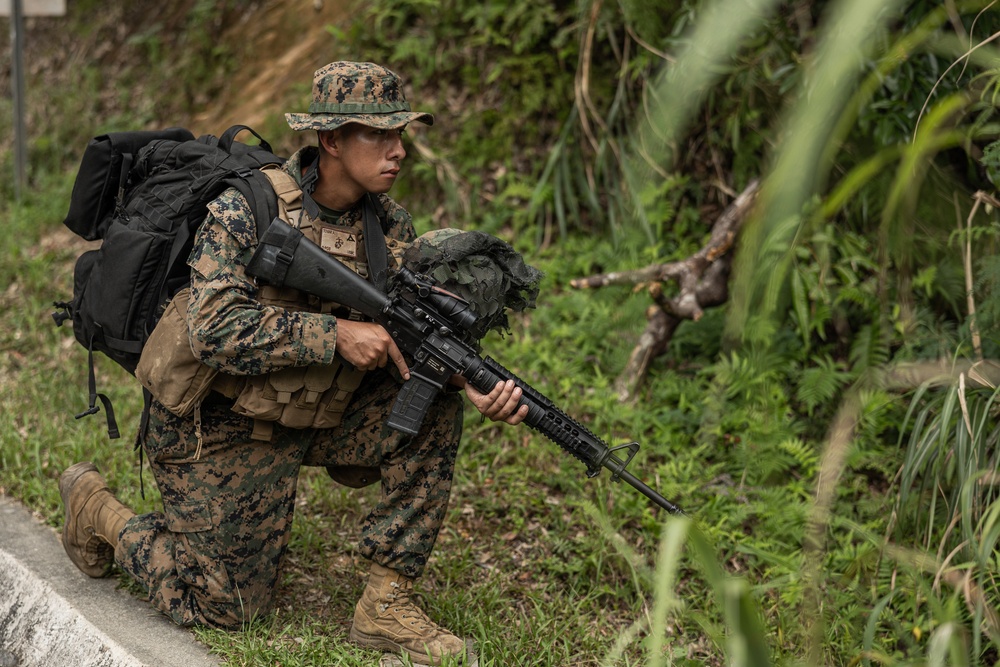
501, 404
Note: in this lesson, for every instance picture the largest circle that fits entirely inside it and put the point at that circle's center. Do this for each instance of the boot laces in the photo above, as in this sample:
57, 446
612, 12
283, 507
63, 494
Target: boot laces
401, 604
95, 549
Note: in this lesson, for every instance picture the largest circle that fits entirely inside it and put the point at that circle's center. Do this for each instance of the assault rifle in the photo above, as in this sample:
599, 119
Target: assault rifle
432, 326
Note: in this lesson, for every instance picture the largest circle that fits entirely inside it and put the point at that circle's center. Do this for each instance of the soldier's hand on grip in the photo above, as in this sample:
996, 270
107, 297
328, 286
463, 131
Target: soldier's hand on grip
368, 346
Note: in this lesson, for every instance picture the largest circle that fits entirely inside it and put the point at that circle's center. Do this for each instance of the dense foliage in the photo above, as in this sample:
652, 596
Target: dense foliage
831, 429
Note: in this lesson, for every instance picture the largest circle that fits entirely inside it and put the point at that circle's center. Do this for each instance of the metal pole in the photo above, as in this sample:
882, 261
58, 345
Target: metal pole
17, 53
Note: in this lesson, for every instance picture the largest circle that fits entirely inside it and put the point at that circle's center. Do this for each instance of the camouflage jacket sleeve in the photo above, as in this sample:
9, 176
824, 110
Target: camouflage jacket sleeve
230, 330
399, 224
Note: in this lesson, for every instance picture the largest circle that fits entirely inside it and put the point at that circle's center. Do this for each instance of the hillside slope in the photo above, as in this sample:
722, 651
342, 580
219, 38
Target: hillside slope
291, 40
205, 65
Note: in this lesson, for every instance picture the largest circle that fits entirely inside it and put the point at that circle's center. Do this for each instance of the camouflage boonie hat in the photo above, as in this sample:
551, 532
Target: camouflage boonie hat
348, 92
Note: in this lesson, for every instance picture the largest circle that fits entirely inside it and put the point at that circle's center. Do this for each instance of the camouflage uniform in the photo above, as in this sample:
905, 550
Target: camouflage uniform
213, 555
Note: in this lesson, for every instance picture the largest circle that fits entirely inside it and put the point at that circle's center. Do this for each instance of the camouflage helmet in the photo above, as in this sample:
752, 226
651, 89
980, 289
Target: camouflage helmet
348, 92
482, 269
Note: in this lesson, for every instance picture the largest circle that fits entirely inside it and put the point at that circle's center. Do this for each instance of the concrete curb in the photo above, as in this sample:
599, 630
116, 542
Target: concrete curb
52, 615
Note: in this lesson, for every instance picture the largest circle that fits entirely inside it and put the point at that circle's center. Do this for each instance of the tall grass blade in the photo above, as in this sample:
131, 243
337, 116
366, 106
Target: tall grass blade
802, 161
745, 638
947, 647
664, 600
683, 85
868, 640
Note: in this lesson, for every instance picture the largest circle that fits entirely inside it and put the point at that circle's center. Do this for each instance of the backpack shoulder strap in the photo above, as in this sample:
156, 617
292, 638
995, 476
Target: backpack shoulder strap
375, 246
260, 195
380, 212
289, 195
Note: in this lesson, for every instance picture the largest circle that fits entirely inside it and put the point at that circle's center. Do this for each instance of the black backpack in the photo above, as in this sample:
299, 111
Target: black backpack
144, 194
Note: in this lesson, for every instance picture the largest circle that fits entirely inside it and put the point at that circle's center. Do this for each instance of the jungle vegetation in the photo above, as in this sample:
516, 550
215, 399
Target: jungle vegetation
818, 390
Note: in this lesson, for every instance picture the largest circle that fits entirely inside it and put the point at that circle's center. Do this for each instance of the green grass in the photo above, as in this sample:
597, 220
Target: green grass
797, 553
536, 563
523, 564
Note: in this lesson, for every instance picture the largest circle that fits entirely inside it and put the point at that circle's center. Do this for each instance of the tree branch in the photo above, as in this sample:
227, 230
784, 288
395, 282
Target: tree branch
702, 281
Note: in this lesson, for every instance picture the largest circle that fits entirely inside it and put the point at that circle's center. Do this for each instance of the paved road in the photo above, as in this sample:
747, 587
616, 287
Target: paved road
52, 615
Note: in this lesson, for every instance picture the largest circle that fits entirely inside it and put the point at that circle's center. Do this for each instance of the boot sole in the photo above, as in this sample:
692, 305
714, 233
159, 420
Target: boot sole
381, 643
67, 481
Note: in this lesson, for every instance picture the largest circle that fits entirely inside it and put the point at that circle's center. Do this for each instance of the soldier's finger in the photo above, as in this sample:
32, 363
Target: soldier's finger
397, 358
506, 389
518, 416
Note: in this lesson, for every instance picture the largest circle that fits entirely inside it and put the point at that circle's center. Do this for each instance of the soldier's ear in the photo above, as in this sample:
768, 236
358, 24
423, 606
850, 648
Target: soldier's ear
329, 140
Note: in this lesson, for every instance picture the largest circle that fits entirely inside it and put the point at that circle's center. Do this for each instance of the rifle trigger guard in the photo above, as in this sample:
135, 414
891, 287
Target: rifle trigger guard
632, 448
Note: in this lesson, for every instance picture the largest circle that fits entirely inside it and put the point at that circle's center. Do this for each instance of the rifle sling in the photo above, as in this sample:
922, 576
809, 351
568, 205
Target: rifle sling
375, 246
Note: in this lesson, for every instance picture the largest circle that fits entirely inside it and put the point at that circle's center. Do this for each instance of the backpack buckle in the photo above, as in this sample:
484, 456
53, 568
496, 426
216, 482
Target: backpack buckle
62, 315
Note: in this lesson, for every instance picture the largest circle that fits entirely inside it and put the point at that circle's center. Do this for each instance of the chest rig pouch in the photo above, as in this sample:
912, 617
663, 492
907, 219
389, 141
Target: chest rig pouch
314, 396
296, 397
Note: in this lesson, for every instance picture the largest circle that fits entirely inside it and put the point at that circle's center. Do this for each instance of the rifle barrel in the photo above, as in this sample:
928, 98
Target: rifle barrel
571, 435
645, 490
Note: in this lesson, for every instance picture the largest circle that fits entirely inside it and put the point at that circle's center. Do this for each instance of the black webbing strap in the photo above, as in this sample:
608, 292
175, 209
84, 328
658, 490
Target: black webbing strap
130, 346
311, 175
127, 159
283, 258
109, 411
140, 436
374, 244
256, 187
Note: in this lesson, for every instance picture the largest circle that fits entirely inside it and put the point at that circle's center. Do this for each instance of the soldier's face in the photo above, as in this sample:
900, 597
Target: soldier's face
371, 157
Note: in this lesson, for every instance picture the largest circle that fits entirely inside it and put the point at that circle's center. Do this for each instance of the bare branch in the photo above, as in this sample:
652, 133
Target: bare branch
702, 281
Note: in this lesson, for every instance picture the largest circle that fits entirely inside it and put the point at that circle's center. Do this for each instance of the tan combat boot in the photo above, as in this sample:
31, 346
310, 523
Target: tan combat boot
94, 518
386, 618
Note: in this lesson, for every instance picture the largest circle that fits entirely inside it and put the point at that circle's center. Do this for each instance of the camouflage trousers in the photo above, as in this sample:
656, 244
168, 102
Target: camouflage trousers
212, 556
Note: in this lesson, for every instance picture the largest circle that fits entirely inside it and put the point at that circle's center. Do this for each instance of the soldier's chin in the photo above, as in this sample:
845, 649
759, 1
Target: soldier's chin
385, 182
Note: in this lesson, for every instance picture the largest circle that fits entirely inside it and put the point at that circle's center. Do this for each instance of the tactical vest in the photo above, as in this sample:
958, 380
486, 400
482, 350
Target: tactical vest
297, 397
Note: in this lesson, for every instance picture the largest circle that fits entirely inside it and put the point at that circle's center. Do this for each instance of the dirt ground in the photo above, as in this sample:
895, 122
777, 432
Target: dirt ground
292, 41
280, 44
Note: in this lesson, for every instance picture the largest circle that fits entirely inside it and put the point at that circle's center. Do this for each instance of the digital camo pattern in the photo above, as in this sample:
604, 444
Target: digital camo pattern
350, 92
230, 329
213, 555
